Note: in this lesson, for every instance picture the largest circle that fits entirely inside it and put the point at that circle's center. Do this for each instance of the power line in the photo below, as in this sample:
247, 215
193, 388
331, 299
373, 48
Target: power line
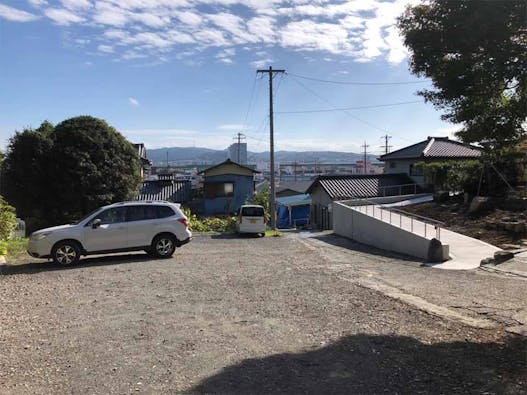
244, 124
328, 102
350, 108
357, 82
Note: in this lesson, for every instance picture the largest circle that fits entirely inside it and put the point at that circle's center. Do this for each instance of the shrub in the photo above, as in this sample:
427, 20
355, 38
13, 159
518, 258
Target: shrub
7, 220
225, 224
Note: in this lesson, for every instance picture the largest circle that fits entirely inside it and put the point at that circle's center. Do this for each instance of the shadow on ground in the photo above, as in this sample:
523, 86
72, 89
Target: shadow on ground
375, 364
223, 236
340, 241
43, 266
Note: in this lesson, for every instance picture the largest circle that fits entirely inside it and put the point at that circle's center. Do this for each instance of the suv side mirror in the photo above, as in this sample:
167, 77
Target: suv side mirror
96, 223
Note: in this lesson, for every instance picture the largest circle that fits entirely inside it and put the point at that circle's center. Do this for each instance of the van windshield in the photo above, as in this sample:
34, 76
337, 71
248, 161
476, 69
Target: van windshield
252, 212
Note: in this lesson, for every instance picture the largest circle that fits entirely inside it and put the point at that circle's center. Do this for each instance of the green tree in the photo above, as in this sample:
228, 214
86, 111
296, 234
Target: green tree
262, 198
57, 174
475, 53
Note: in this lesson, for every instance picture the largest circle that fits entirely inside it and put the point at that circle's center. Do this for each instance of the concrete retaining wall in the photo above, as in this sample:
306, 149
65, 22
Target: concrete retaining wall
365, 229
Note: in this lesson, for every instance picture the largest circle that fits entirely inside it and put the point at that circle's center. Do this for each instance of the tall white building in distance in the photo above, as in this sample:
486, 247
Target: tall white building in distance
238, 153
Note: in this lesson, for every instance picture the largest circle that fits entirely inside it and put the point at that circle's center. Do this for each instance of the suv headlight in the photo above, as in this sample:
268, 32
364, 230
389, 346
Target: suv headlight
40, 236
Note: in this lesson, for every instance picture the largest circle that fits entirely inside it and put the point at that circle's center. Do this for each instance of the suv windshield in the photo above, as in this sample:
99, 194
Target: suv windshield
85, 217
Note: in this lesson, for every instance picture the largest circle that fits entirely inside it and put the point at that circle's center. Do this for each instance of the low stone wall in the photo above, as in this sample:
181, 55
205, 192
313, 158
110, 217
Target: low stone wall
365, 229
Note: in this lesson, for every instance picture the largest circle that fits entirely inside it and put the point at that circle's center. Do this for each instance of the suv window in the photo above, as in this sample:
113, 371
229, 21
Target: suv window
110, 216
164, 211
252, 212
141, 213
146, 212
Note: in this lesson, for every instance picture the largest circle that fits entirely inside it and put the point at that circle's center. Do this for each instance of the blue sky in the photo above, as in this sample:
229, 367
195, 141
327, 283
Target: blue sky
183, 72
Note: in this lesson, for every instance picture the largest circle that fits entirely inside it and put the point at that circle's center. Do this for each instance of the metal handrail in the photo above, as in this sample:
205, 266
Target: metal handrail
437, 224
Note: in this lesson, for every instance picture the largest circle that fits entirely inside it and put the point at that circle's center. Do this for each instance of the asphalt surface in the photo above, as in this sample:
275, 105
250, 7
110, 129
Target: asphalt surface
241, 315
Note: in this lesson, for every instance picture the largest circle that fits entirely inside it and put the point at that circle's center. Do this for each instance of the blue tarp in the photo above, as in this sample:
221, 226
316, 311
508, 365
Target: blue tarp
293, 211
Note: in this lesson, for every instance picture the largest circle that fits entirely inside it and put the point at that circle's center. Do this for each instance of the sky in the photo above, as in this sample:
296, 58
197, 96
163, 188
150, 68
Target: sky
184, 72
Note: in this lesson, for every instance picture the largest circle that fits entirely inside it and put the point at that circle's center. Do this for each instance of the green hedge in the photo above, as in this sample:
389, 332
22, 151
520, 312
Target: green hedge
7, 220
226, 224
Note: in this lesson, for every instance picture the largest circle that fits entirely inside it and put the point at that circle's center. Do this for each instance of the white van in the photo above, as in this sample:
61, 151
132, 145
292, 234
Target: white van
251, 219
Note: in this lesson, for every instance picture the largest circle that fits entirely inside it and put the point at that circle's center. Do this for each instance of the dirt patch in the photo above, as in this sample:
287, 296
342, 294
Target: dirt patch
457, 219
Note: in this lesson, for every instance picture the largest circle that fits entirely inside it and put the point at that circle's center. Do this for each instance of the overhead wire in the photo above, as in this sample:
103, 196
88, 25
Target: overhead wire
331, 104
357, 82
349, 108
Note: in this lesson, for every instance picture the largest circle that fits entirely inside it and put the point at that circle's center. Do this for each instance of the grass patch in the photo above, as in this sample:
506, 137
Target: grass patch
13, 247
271, 233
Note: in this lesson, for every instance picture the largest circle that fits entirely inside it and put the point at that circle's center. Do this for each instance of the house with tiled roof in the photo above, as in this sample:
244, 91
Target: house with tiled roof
327, 189
167, 188
433, 149
226, 186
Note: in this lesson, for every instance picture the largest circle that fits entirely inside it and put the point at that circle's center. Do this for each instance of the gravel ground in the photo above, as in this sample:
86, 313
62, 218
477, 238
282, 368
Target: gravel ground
235, 315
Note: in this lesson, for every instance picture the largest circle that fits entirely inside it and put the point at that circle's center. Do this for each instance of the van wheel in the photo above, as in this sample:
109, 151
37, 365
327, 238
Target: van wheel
66, 253
163, 246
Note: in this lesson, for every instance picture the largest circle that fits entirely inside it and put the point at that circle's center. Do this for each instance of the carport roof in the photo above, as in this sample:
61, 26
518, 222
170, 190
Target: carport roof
360, 185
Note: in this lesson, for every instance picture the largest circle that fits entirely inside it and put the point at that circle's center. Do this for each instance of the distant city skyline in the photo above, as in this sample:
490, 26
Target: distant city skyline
170, 73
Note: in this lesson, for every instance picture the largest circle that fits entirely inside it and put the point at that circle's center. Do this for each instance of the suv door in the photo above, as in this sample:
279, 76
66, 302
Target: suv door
141, 221
111, 234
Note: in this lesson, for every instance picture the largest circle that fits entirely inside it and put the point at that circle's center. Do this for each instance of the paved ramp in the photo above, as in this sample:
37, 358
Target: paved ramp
465, 252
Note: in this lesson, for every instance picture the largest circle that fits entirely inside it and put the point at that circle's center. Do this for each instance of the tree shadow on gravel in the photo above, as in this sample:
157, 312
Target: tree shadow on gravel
377, 364
340, 241
46, 266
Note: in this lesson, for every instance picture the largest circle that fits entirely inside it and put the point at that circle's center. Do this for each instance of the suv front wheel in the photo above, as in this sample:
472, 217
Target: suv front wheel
163, 246
66, 253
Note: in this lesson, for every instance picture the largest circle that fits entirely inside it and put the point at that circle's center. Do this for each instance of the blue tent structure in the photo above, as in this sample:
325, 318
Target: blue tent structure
293, 211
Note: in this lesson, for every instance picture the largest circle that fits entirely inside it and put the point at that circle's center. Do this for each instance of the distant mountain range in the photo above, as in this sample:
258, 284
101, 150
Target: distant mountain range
206, 155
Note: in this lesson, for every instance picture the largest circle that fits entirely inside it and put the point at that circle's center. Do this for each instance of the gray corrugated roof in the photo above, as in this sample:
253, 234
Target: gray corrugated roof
447, 148
434, 147
172, 191
357, 186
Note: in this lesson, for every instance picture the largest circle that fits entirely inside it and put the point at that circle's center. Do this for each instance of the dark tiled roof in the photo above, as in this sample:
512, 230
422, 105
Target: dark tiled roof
228, 162
172, 191
297, 186
434, 147
357, 186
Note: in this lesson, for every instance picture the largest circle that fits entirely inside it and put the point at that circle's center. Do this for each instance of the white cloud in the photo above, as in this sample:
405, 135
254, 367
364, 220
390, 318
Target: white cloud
76, 4
107, 14
38, 3
231, 126
261, 63
133, 101
62, 16
359, 30
16, 15
105, 48
189, 18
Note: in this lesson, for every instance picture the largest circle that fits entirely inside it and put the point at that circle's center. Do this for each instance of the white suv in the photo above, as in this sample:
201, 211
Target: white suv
157, 227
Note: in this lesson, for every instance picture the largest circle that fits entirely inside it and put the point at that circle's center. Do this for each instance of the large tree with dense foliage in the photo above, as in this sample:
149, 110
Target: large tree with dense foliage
57, 174
475, 53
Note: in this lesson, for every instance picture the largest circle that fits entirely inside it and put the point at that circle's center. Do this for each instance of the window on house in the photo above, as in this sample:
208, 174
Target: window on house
219, 189
393, 165
416, 170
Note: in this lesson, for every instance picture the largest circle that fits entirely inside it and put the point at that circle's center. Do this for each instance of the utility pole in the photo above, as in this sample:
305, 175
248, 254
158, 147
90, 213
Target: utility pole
240, 137
386, 146
272, 198
365, 146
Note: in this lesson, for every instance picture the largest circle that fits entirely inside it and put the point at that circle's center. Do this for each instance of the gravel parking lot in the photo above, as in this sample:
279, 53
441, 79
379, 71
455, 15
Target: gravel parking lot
236, 315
